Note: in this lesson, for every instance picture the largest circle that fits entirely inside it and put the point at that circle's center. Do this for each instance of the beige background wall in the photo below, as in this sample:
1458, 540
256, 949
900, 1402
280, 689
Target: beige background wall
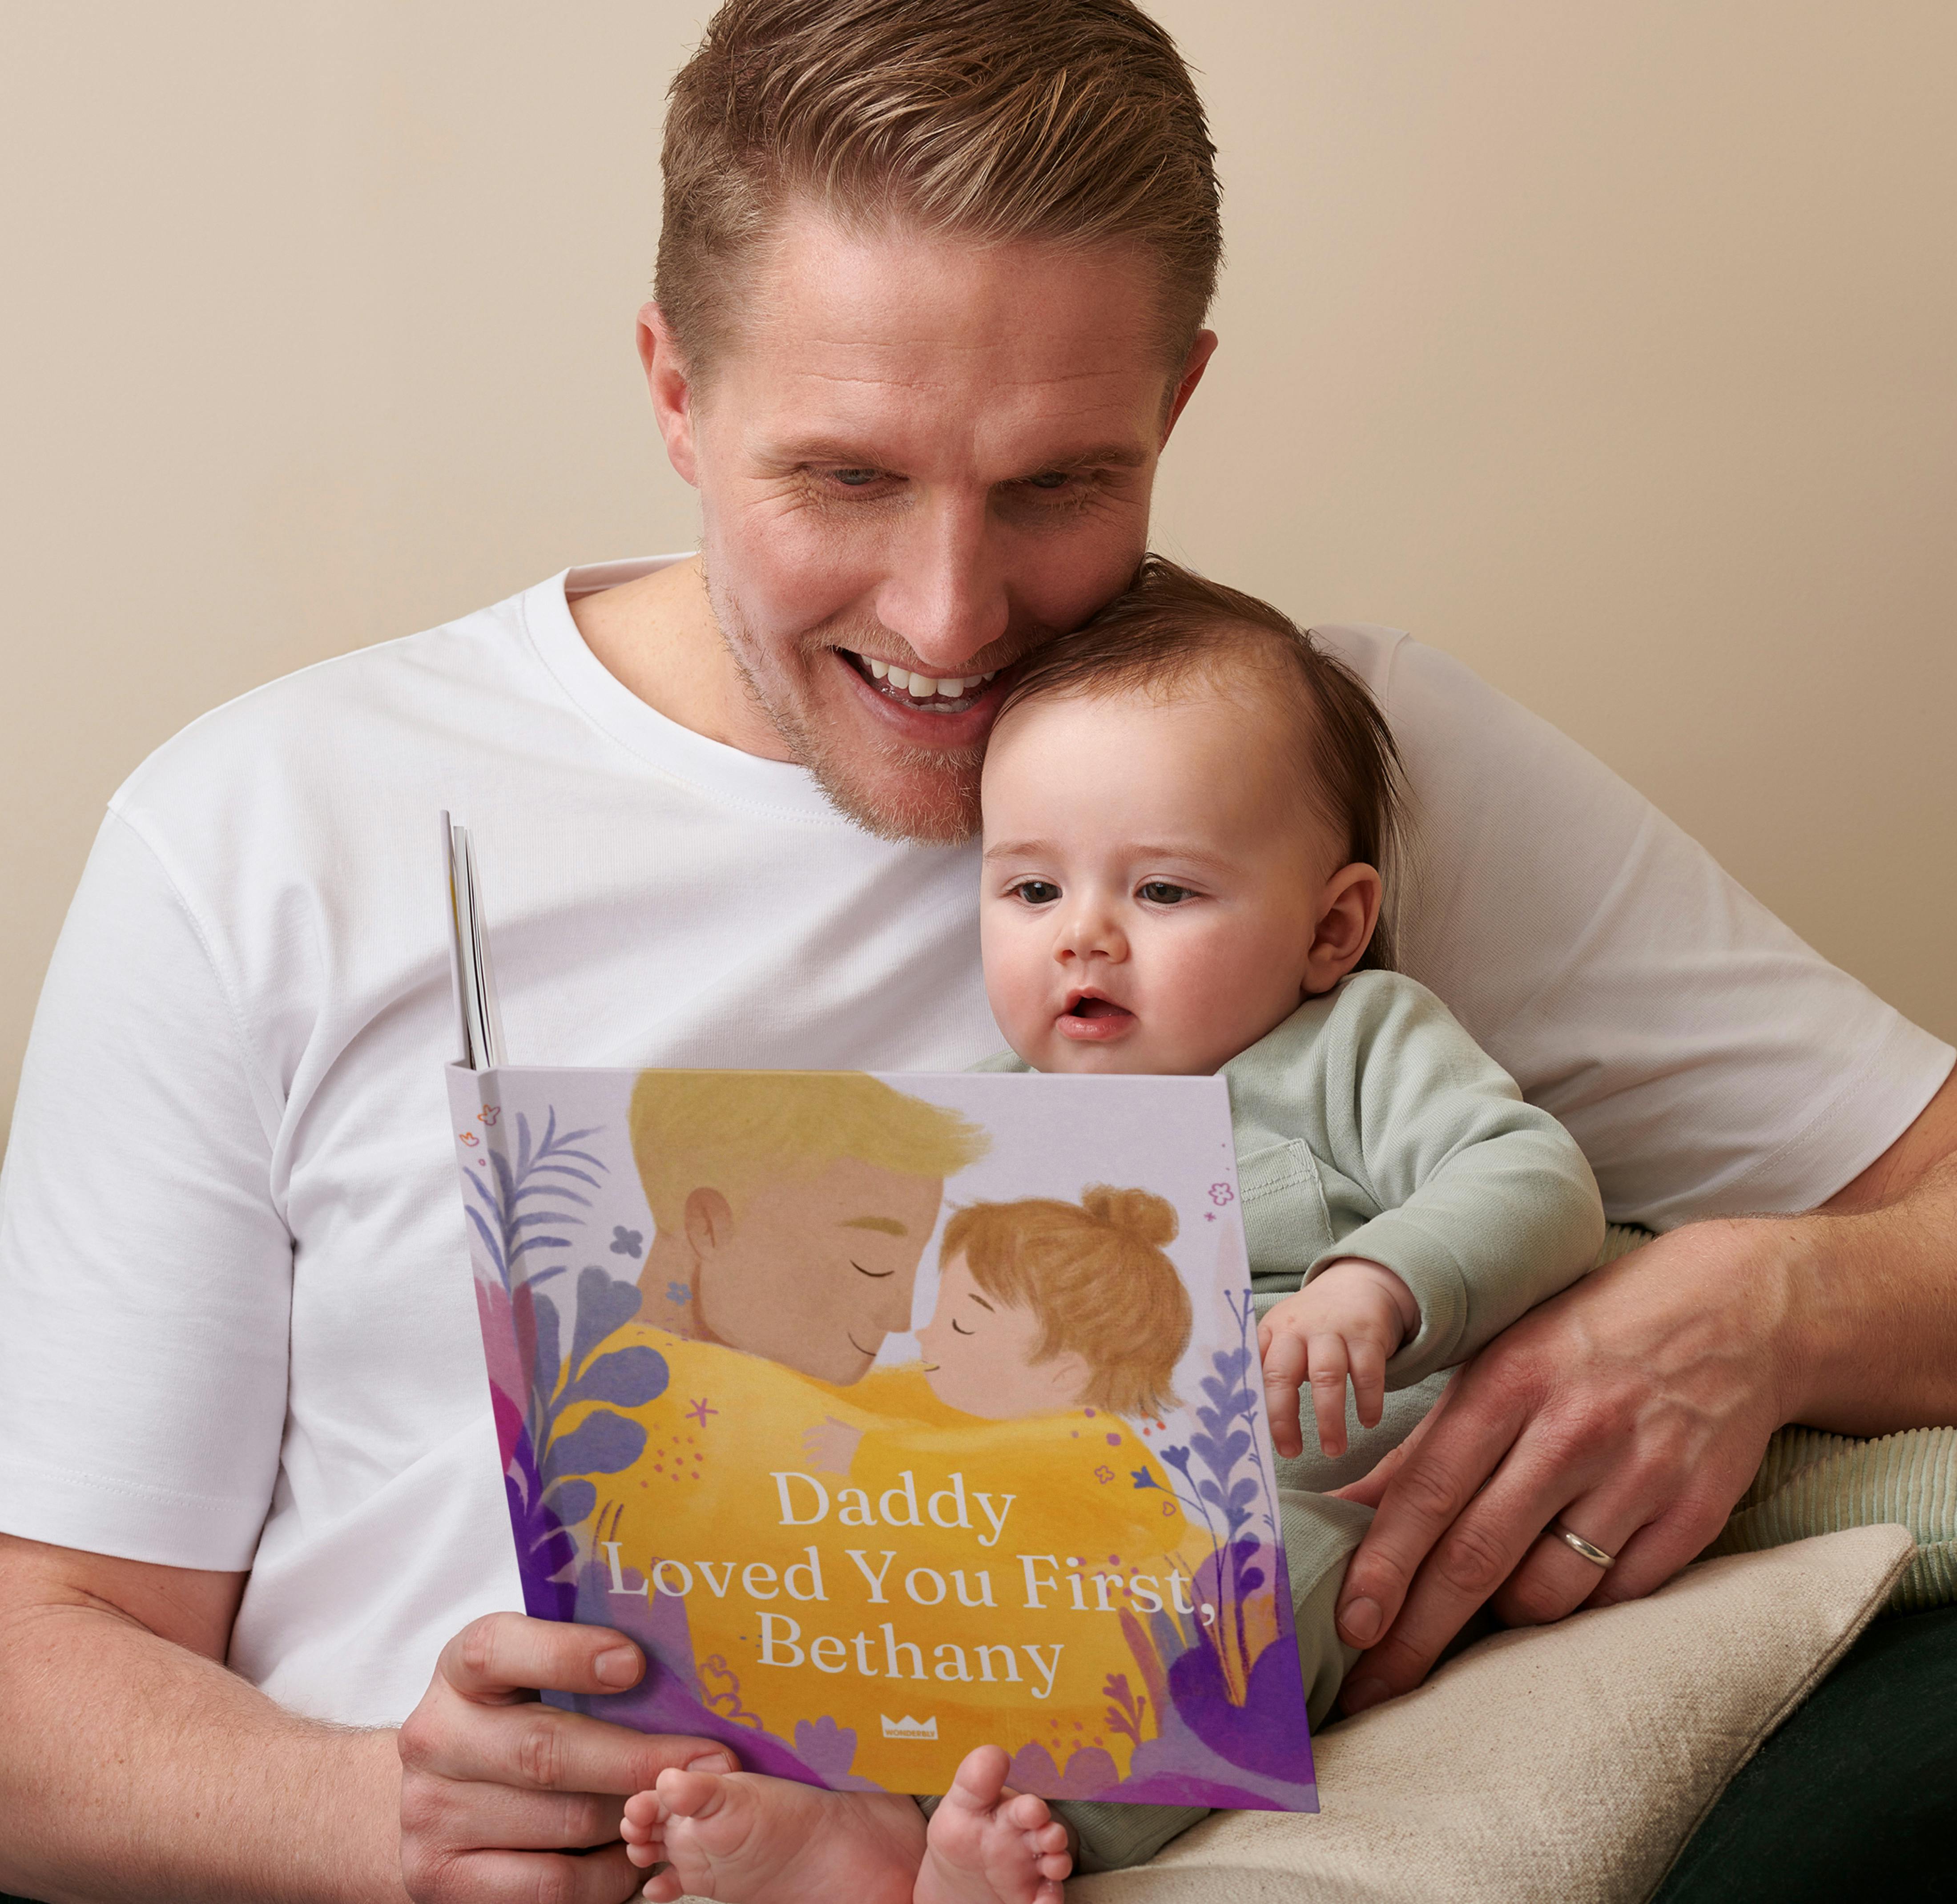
1610, 346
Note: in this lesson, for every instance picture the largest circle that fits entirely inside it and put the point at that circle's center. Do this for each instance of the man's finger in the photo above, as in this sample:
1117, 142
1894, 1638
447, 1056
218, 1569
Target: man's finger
606, 1876
1553, 1578
502, 1656
1370, 1489
1469, 1563
1419, 1504
441, 1810
534, 1747
1284, 1373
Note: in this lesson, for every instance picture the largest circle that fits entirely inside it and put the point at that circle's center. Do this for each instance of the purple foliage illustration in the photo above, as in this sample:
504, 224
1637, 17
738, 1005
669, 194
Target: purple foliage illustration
531, 1206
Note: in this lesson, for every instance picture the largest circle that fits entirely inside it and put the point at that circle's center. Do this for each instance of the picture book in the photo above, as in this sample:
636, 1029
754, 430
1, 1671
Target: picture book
891, 1415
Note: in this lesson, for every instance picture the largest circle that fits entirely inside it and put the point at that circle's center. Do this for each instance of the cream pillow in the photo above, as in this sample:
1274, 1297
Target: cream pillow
1565, 1764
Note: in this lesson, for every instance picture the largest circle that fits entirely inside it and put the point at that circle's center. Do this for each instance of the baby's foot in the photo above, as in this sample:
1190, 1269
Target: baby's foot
988, 1845
747, 1839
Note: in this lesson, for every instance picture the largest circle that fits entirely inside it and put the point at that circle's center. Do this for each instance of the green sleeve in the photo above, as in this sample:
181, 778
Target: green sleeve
1481, 1203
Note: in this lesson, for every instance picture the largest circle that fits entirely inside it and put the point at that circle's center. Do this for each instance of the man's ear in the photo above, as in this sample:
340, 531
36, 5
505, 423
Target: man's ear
1187, 378
709, 1222
1348, 909
671, 389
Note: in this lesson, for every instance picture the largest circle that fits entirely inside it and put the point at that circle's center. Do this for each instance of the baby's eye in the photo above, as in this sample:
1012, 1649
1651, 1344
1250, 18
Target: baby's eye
1036, 892
1160, 892
959, 1328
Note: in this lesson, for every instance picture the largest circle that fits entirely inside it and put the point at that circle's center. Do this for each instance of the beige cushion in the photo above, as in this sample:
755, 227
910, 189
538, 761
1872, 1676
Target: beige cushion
1568, 1763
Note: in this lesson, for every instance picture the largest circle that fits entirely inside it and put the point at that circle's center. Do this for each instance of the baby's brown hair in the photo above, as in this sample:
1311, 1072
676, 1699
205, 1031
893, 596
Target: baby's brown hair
1171, 627
1095, 1274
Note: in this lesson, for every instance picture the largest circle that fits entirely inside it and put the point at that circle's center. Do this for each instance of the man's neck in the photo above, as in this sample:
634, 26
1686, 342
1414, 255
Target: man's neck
658, 637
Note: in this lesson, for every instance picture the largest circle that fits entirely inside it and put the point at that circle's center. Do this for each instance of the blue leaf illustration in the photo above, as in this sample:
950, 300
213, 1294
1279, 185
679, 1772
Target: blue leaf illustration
571, 1501
603, 1304
544, 1369
602, 1444
626, 1377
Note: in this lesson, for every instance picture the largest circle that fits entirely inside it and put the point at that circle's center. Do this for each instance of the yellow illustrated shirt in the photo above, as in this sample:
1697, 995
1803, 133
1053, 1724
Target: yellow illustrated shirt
916, 1575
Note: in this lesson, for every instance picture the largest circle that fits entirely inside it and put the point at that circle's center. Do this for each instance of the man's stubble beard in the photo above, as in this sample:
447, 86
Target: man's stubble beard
933, 799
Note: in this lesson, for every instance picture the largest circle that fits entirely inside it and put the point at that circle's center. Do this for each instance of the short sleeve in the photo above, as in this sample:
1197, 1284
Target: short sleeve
145, 1275
1709, 1062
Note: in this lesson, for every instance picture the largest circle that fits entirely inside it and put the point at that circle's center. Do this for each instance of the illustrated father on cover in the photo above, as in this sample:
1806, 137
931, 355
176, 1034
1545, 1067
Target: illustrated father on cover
932, 283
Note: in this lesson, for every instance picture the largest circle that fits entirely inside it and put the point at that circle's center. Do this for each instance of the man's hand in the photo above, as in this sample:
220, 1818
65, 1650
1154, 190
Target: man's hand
1633, 1408
496, 1789
1346, 1321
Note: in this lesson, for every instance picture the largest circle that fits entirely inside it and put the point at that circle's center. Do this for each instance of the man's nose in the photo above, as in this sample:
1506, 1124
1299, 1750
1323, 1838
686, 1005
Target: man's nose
946, 592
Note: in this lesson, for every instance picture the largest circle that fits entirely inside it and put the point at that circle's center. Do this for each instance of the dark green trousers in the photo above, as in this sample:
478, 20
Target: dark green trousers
1855, 1796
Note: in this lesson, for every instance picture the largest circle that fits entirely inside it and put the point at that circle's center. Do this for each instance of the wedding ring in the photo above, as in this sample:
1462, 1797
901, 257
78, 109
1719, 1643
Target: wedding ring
1595, 1555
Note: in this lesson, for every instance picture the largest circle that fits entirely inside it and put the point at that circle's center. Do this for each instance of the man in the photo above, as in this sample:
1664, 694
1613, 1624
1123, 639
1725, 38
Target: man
930, 289
790, 1214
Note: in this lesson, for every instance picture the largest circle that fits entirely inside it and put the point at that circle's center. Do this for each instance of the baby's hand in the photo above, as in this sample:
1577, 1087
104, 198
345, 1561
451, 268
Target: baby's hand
1347, 1320
830, 1446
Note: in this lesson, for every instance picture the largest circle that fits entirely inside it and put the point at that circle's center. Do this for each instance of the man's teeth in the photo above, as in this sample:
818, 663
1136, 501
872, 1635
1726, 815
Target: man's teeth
922, 686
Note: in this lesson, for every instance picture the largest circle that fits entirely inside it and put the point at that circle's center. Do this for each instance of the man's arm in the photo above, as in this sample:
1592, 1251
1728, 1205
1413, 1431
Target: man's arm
1635, 1407
134, 1766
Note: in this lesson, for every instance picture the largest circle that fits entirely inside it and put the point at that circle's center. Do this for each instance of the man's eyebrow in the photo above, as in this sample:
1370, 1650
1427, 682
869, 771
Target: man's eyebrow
888, 1224
789, 453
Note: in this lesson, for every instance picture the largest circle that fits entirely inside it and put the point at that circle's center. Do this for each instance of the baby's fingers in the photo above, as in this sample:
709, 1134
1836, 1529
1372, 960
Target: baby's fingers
1329, 1369
1284, 1372
1369, 1379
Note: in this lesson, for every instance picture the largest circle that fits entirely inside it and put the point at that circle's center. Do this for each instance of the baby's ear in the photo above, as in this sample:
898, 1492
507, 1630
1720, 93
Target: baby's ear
1348, 909
1071, 1377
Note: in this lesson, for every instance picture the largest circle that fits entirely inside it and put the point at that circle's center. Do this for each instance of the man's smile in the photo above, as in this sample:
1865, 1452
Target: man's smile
941, 711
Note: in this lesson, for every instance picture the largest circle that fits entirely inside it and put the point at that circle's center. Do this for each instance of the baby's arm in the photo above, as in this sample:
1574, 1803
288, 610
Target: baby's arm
1347, 1321
1482, 1203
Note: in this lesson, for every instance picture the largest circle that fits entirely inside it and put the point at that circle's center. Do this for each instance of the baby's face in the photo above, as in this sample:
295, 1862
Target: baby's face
1152, 882
978, 1354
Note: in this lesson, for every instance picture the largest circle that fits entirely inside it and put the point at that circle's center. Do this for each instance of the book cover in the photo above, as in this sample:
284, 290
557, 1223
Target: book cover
894, 1416
891, 1415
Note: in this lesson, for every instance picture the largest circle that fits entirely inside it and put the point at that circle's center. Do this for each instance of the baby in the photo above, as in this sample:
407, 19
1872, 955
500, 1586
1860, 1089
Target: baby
1190, 810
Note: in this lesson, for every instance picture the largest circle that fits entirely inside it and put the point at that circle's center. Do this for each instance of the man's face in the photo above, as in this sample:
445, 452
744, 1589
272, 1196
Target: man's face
918, 459
814, 1271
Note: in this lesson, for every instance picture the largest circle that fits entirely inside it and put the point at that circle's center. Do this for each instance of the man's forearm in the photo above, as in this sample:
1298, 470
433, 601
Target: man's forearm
1874, 1345
132, 1769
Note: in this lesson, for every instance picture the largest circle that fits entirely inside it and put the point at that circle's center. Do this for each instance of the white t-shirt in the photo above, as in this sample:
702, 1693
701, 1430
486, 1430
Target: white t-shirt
236, 1322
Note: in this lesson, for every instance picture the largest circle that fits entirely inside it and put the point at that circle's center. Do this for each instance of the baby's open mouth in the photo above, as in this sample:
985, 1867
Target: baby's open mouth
938, 694
1091, 1018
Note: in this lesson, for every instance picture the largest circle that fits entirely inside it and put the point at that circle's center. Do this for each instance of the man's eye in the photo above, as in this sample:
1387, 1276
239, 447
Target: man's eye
875, 1276
855, 478
1159, 892
1050, 479
1036, 892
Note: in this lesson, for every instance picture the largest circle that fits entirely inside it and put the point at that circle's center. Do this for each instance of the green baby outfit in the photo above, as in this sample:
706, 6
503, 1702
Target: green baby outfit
1370, 1125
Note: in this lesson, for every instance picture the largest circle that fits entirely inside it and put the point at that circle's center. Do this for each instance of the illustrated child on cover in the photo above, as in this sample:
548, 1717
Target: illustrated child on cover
1189, 814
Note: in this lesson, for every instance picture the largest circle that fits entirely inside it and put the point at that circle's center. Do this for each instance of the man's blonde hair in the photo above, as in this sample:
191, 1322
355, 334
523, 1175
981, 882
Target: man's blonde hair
734, 1131
1073, 121
1095, 1274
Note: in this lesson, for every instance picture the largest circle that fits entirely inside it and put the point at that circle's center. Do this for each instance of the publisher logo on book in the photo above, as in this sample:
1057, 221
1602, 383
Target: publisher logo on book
909, 1728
